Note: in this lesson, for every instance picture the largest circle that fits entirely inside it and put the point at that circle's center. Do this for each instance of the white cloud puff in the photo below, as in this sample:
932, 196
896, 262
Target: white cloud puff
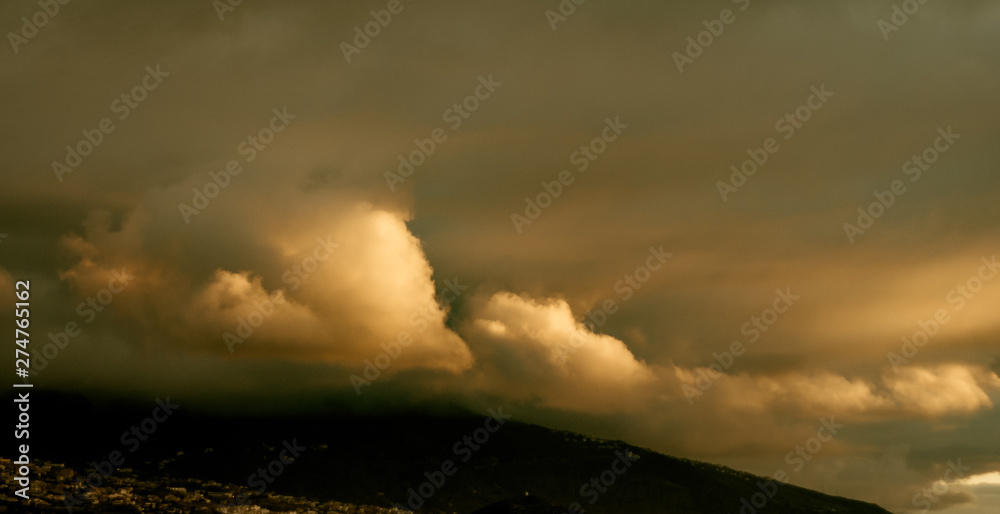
537, 351
315, 280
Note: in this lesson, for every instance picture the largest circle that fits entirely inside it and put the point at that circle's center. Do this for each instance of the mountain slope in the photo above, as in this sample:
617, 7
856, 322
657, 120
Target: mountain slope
447, 463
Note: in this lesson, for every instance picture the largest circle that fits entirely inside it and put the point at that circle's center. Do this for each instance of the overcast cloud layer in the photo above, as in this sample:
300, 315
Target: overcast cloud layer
644, 302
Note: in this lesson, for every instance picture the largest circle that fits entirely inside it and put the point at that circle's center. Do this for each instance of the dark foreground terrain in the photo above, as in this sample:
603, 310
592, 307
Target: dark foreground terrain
367, 464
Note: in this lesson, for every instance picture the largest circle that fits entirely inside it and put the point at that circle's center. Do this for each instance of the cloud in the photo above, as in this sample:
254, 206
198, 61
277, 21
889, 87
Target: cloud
536, 350
324, 279
991, 478
914, 392
815, 393
941, 390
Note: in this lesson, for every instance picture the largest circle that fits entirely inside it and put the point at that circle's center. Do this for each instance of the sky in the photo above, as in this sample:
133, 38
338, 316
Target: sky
720, 230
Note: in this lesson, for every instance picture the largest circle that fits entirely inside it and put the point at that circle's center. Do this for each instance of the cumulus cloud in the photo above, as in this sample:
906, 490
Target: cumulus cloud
914, 392
536, 350
319, 280
944, 389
